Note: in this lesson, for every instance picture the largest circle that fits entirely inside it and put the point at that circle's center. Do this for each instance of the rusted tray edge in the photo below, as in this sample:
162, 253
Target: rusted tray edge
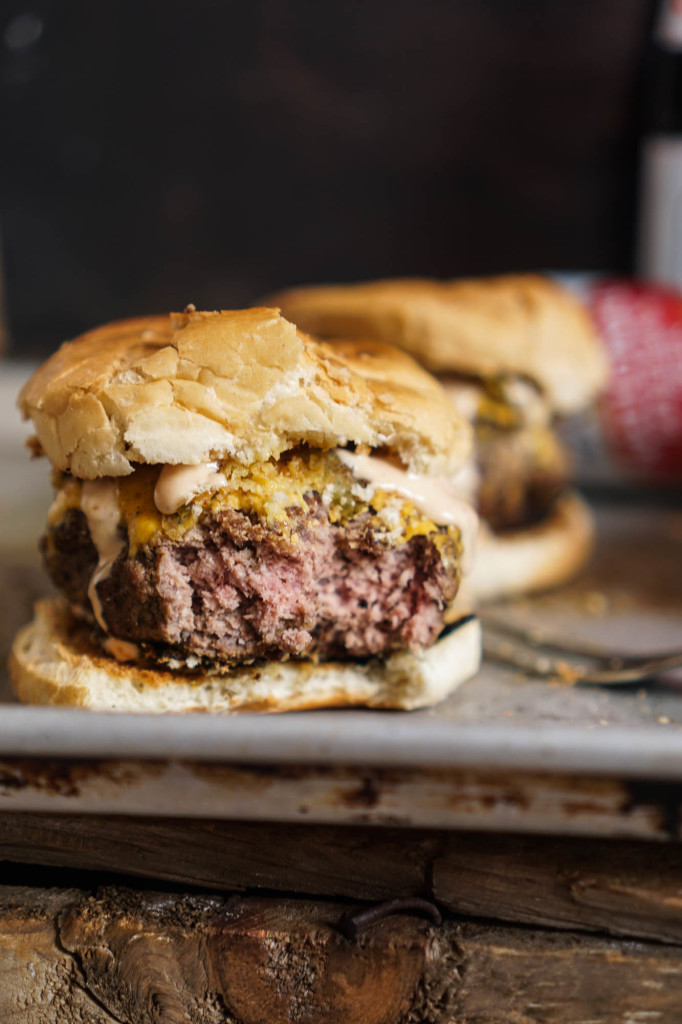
442, 798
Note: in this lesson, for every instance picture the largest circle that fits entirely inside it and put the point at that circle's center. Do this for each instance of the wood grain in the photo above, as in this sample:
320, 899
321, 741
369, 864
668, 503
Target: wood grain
622, 888
632, 889
118, 956
513, 976
360, 863
39, 981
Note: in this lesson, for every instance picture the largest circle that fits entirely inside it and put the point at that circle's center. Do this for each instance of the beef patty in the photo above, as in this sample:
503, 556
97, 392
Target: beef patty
231, 592
522, 472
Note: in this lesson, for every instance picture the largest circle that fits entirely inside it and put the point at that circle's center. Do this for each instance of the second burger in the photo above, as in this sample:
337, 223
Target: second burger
513, 353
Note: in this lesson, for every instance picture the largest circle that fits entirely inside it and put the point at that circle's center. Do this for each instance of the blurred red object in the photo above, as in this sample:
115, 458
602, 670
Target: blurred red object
641, 412
634, 434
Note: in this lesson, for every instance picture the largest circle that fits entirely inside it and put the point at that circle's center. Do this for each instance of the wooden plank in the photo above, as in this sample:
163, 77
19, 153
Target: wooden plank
623, 888
515, 976
626, 888
125, 957
321, 860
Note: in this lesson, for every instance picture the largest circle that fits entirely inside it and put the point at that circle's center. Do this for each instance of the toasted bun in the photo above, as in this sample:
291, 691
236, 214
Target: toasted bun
535, 558
243, 384
523, 324
53, 662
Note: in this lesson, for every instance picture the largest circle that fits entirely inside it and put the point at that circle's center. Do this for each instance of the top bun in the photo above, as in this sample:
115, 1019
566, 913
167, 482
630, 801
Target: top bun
241, 384
522, 324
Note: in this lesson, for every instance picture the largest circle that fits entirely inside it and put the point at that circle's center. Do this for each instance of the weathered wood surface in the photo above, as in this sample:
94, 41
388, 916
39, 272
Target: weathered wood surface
631, 889
623, 888
319, 860
123, 957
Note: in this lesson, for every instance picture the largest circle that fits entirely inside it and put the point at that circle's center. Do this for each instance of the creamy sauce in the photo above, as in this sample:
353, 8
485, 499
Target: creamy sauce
525, 397
68, 496
466, 482
517, 392
465, 397
99, 503
439, 498
179, 484
122, 650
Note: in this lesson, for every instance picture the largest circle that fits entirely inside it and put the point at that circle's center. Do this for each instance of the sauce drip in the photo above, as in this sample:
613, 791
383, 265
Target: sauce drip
99, 503
439, 498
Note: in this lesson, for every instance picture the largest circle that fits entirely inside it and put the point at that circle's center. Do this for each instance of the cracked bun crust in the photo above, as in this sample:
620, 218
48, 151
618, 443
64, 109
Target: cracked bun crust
241, 384
519, 324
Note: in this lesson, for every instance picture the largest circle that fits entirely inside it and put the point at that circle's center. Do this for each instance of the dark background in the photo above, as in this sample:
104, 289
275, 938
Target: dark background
157, 153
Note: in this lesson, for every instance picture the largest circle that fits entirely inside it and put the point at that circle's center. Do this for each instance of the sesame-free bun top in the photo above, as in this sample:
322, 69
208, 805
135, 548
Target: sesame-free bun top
522, 324
241, 384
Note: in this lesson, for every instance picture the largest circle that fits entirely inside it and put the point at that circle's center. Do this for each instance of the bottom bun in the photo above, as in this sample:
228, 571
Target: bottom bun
538, 557
54, 662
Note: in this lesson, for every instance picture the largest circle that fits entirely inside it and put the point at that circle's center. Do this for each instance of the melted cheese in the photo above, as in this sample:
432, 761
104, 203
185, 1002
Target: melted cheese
168, 501
99, 503
437, 497
509, 402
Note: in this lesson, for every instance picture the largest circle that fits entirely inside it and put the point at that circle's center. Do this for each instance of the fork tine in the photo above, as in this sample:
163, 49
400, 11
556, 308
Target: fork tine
536, 640
518, 649
529, 660
633, 671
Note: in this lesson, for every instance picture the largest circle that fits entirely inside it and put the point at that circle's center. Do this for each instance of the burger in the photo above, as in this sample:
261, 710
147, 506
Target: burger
514, 353
246, 519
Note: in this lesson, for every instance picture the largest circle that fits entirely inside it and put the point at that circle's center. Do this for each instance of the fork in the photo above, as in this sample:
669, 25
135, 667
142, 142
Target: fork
534, 653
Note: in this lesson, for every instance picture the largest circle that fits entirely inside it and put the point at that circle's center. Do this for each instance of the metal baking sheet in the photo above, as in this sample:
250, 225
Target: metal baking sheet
504, 752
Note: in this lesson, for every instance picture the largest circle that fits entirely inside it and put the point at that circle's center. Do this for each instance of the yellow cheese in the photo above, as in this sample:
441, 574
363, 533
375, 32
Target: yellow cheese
268, 490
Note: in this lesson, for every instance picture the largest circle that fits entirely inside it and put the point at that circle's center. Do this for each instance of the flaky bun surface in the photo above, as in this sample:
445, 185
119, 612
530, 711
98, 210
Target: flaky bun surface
53, 662
241, 384
520, 324
535, 558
